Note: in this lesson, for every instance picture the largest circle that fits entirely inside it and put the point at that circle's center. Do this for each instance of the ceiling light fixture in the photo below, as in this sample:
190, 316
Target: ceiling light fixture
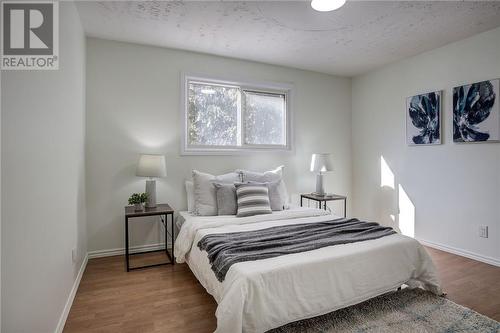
327, 5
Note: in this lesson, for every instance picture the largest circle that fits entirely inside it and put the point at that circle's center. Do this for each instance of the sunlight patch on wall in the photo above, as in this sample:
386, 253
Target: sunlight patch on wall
386, 174
406, 213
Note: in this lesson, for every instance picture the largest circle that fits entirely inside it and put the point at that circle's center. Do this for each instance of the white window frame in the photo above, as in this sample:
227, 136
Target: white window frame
253, 86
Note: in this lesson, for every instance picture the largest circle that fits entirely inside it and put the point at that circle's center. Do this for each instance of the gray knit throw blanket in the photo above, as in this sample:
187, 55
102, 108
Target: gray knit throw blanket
227, 249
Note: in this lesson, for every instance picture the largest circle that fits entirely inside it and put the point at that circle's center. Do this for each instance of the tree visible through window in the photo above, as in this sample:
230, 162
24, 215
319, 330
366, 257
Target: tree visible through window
232, 117
213, 115
265, 116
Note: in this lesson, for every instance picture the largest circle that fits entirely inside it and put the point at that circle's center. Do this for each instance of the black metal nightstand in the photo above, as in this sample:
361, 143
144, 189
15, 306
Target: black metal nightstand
323, 199
160, 210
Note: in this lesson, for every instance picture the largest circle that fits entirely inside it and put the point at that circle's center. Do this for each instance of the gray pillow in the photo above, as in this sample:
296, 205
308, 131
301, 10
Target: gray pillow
205, 199
226, 199
276, 197
252, 199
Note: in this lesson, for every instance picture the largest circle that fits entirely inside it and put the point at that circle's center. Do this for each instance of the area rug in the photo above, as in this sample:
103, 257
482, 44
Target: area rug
405, 311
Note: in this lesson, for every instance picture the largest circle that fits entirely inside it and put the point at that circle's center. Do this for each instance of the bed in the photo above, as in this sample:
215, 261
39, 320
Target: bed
260, 295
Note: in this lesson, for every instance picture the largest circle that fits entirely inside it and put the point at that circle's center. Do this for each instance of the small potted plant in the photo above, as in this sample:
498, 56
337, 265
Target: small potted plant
138, 199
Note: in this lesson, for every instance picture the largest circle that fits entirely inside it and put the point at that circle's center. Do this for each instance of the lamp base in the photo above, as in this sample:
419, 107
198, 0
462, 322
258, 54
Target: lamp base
151, 192
320, 188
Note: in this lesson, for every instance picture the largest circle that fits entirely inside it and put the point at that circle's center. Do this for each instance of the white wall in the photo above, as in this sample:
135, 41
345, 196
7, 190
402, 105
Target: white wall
43, 184
133, 96
454, 187
0, 202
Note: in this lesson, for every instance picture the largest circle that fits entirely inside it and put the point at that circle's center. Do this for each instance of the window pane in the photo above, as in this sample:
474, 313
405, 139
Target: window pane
265, 118
213, 115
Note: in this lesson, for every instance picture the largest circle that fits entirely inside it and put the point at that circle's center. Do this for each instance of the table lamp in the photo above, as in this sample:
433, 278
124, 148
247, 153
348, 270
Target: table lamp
151, 166
321, 163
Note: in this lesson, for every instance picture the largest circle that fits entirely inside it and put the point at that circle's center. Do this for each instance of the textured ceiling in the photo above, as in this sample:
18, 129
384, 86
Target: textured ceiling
357, 38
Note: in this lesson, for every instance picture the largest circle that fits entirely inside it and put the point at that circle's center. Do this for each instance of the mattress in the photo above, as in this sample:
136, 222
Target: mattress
260, 295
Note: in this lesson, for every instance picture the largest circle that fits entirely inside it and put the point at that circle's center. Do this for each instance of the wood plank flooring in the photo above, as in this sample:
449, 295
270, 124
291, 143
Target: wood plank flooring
159, 299
170, 299
469, 282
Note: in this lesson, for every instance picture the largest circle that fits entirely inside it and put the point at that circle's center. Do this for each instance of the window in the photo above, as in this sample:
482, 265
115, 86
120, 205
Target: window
224, 117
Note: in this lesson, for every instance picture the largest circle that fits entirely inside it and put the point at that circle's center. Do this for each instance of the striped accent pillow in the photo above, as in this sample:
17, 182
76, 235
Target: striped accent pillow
252, 199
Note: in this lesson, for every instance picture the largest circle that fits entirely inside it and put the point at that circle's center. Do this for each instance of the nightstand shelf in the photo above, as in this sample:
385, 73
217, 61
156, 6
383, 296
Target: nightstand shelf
322, 200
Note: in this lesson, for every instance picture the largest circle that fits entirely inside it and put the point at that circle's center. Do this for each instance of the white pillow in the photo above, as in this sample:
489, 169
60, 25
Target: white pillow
267, 177
205, 194
190, 195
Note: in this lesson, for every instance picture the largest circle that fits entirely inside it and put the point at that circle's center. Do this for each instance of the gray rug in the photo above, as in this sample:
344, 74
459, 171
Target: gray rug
406, 311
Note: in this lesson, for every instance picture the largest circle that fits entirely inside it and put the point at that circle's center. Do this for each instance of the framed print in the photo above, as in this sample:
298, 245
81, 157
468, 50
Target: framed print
423, 119
476, 115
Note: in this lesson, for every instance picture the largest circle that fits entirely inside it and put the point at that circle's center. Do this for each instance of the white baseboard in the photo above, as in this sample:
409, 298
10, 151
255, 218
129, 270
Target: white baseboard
460, 252
121, 251
72, 294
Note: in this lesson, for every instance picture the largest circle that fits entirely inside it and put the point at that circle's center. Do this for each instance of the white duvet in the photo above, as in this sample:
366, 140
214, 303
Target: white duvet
257, 296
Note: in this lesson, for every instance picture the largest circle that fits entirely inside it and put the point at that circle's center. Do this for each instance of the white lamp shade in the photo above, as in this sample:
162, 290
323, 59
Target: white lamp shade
151, 166
327, 5
321, 162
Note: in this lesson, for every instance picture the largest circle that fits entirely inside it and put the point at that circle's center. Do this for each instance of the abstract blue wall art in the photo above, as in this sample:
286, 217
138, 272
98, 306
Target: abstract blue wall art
423, 119
476, 115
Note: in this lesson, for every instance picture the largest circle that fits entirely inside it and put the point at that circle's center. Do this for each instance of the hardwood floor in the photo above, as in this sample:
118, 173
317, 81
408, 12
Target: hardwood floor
159, 299
469, 282
170, 299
